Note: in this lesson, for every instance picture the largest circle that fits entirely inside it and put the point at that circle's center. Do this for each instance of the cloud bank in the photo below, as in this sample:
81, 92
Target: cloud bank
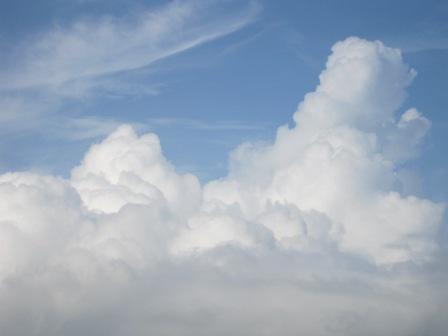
312, 234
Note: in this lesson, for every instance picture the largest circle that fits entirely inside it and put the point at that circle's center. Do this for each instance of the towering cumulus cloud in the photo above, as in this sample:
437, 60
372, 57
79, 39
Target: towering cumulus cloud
313, 234
336, 169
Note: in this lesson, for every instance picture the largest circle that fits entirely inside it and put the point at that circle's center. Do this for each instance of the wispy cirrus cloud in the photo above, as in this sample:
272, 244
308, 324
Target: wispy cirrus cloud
101, 46
89, 56
206, 125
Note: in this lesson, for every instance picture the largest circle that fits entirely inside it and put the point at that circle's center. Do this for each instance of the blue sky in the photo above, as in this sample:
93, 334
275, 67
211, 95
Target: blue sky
238, 86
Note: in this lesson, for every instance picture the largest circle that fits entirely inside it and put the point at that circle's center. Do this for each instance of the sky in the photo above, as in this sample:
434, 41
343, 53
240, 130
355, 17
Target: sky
223, 167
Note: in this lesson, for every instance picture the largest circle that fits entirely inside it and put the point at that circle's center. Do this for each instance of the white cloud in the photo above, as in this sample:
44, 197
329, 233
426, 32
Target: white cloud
86, 127
100, 46
341, 158
87, 58
308, 234
215, 125
127, 169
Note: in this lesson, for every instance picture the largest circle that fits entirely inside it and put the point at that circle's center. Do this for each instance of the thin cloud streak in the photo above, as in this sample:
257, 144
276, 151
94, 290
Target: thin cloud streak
205, 125
88, 58
107, 45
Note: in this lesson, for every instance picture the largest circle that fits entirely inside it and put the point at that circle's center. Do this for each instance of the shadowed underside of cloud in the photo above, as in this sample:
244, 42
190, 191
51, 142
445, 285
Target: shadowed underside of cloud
309, 235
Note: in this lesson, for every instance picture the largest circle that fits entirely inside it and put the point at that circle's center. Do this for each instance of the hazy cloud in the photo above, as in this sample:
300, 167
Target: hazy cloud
87, 58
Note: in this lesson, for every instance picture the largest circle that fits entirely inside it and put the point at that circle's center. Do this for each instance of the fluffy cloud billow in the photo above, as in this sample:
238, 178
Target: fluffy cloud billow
312, 234
340, 161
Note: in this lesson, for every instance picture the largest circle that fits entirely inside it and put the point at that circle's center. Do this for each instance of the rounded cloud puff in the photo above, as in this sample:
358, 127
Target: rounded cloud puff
126, 168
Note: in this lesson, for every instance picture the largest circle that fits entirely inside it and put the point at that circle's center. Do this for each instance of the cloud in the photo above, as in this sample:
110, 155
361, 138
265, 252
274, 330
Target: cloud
215, 125
82, 128
91, 56
341, 158
125, 167
309, 234
101, 46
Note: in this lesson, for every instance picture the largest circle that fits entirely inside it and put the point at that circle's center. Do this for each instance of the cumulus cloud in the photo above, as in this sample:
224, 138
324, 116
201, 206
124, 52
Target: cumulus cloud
308, 234
127, 169
340, 160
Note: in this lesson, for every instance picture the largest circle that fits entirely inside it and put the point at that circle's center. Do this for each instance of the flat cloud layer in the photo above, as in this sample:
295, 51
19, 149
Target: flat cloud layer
312, 234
